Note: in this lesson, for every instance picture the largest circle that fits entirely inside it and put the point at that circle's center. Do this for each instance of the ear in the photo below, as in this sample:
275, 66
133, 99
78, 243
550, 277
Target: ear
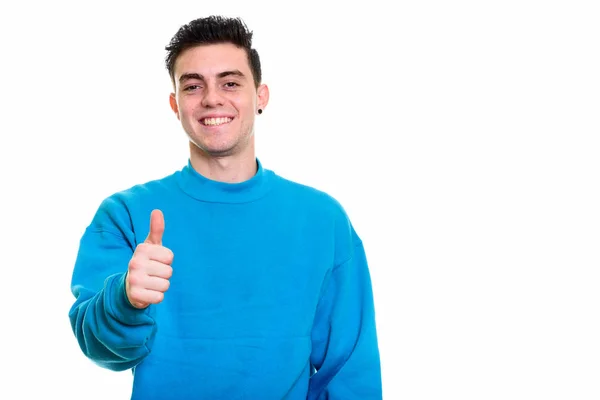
263, 97
173, 103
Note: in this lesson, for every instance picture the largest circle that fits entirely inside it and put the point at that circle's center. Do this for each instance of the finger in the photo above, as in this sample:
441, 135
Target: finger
157, 227
155, 297
158, 269
145, 296
156, 284
158, 253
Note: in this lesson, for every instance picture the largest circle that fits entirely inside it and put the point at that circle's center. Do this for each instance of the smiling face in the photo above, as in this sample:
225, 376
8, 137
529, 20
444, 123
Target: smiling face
216, 99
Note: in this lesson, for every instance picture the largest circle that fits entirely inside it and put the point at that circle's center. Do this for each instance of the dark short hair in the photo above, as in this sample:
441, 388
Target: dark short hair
213, 30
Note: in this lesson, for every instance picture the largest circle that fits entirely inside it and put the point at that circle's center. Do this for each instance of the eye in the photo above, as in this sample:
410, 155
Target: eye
190, 88
231, 85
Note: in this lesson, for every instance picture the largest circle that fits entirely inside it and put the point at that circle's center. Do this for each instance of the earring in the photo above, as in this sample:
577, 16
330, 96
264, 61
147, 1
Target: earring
260, 110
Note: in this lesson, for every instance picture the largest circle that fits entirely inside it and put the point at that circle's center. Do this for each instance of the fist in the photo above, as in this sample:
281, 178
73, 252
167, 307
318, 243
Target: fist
150, 268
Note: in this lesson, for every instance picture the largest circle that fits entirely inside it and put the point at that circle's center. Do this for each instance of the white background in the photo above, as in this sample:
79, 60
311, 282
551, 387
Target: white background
461, 137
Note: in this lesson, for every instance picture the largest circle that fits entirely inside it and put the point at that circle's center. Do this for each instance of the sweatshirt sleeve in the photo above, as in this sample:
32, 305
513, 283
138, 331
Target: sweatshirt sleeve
109, 330
345, 351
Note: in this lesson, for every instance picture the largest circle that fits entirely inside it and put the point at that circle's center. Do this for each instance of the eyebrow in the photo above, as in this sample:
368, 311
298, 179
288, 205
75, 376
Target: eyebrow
193, 75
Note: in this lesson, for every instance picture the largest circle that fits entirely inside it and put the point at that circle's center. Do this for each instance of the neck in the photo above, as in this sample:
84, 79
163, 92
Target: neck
229, 169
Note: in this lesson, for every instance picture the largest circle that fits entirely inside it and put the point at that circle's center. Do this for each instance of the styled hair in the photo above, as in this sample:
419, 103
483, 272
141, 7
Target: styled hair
213, 30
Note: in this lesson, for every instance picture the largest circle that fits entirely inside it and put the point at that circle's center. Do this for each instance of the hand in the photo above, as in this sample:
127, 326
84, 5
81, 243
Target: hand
150, 267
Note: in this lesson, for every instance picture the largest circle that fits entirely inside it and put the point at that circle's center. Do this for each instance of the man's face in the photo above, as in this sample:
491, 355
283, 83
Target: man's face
216, 99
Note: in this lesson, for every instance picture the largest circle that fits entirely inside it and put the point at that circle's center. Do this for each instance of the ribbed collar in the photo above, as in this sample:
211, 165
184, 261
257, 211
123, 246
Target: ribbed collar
201, 188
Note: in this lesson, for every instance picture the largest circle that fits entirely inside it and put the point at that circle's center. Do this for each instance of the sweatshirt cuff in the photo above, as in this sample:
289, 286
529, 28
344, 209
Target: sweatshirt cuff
120, 306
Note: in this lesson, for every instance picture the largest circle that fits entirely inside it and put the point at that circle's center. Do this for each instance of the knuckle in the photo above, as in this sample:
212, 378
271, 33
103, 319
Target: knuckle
158, 297
135, 294
135, 263
165, 255
143, 248
132, 279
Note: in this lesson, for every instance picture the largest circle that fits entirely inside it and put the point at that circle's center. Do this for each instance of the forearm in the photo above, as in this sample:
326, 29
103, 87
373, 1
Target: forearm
345, 347
109, 330
357, 377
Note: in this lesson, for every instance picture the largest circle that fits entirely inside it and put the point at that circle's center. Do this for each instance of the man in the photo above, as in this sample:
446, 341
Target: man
224, 280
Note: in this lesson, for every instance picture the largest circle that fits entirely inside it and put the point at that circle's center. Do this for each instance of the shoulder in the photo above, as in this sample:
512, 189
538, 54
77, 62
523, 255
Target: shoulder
316, 203
325, 214
116, 208
309, 196
139, 191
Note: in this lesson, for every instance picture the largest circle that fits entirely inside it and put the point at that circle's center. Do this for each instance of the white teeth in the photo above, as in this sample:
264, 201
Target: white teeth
216, 121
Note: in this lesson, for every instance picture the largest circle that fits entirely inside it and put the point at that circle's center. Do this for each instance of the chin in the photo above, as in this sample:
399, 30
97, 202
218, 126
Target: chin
212, 150
219, 152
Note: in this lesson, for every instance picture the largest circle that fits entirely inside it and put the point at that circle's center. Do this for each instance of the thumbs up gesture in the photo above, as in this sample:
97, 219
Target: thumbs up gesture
150, 268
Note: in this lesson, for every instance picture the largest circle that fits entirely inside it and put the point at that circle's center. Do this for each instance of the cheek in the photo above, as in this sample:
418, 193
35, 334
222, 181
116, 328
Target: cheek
244, 106
242, 100
186, 110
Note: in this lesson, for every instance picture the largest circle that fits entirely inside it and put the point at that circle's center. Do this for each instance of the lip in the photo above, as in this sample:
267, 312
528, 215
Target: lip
215, 116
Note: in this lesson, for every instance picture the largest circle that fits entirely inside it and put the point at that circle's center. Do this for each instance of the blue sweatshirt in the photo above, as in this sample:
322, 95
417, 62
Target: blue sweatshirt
270, 296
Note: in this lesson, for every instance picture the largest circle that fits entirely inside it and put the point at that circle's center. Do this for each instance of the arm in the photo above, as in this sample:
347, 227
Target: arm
345, 351
109, 330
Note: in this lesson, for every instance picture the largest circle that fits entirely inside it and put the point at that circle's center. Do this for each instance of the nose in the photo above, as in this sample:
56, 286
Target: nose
212, 97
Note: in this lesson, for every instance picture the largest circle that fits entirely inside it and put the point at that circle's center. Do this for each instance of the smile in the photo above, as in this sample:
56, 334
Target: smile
215, 121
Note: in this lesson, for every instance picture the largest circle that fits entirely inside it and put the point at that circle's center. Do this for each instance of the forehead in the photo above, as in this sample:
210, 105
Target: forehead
212, 59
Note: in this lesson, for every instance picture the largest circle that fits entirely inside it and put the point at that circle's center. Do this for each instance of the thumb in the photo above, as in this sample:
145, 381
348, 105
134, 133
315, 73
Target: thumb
157, 227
